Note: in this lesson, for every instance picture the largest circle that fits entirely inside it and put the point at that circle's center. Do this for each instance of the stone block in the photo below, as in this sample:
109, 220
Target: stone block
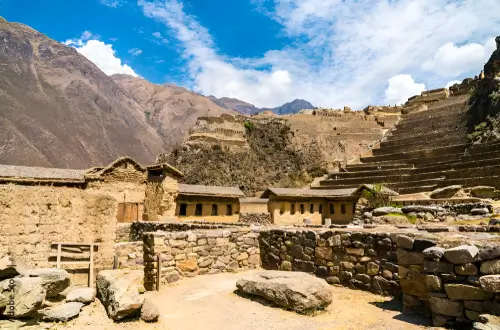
433, 253
433, 282
461, 254
409, 258
466, 292
466, 269
372, 268
474, 305
404, 242
446, 307
438, 267
335, 241
347, 265
420, 245
414, 284
297, 251
324, 253
489, 253
355, 251
490, 267
490, 283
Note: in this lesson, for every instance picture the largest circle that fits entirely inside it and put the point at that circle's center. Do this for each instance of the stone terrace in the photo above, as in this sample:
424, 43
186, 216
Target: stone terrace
427, 150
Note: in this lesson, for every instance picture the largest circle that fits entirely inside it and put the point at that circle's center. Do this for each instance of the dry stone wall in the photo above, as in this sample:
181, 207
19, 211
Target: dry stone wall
359, 260
256, 218
191, 253
130, 255
453, 285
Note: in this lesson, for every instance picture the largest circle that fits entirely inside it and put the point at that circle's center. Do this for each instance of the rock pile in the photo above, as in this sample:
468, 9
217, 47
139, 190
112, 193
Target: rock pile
256, 218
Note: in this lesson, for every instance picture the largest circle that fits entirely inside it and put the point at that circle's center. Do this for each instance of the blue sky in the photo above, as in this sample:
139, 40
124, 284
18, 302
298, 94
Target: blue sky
267, 52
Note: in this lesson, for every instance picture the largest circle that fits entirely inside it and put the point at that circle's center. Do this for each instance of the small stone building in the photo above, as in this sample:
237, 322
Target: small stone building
210, 203
43, 206
299, 206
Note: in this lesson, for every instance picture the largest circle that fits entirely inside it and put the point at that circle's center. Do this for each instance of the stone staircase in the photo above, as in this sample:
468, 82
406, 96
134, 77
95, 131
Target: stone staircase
426, 150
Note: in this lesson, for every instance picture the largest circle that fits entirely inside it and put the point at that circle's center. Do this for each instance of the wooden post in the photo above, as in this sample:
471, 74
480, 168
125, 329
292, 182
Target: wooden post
91, 265
58, 265
158, 271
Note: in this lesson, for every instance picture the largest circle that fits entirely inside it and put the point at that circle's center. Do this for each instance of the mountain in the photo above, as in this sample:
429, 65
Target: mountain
57, 109
245, 108
292, 107
170, 109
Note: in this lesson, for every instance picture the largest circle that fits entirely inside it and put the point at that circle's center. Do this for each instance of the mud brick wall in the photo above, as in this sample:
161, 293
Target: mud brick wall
192, 253
359, 260
453, 285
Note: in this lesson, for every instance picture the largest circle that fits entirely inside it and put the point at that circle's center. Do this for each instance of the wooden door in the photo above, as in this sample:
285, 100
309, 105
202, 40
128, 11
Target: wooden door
128, 212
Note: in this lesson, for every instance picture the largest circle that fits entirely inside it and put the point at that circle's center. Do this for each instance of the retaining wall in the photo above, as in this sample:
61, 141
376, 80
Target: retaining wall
359, 260
192, 253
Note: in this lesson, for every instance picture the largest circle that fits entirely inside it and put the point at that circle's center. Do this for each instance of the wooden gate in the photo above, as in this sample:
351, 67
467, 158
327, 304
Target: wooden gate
128, 212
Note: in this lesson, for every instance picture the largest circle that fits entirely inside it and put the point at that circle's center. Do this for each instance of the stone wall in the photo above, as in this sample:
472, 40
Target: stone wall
191, 253
130, 255
453, 285
359, 260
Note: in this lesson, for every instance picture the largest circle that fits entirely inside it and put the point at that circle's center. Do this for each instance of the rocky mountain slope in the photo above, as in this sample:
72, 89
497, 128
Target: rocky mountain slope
57, 109
246, 108
170, 109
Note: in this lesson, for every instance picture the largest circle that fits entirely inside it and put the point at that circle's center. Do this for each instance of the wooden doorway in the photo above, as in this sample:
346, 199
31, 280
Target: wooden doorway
128, 212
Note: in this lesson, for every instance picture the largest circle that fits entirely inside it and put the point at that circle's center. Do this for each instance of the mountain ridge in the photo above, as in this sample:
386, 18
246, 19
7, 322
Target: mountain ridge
246, 108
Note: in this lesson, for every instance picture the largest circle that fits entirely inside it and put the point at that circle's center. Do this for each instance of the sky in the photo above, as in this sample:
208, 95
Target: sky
331, 53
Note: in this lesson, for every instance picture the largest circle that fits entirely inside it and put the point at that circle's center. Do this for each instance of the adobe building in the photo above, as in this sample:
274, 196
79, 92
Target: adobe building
293, 206
210, 203
42, 207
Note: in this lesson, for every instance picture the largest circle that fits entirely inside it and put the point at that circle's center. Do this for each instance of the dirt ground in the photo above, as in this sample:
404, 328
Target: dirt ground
209, 302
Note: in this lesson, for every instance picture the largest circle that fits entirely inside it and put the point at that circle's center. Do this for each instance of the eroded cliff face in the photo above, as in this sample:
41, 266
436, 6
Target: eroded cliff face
484, 113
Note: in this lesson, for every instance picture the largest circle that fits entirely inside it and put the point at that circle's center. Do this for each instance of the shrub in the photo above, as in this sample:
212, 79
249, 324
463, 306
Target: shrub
377, 197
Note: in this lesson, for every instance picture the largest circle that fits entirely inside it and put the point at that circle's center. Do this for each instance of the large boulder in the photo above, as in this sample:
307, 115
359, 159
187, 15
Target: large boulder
446, 192
423, 208
149, 311
61, 313
54, 280
484, 192
297, 291
118, 292
386, 210
21, 296
82, 295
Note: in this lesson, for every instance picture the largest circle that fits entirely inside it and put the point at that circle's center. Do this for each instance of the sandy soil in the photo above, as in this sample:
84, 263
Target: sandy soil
208, 302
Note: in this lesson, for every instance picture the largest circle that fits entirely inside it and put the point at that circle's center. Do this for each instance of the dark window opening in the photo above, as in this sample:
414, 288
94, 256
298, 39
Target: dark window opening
282, 209
214, 209
332, 208
198, 210
292, 209
229, 209
311, 208
353, 208
183, 209
342, 208
320, 209
302, 209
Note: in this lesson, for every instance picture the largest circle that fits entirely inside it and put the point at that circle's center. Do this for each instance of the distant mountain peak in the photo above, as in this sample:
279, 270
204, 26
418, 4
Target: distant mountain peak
246, 108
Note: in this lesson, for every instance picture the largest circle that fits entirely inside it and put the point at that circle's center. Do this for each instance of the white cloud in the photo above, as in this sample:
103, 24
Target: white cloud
451, 60
159, 39
101, 54
135, 51
343, 53
402, 87
451, 83
112, 3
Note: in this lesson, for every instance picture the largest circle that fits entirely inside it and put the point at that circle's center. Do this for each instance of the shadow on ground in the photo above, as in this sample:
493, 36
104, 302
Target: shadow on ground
396, 305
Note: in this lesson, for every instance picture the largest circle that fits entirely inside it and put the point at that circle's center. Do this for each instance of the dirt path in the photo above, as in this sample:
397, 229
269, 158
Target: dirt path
208, 302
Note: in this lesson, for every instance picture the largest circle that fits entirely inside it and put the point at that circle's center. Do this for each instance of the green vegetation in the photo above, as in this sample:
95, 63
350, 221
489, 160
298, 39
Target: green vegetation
148, 114
377, 197
270, 161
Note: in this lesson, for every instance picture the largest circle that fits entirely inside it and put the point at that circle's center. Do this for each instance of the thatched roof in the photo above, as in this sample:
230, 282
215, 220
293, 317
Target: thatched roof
28, 173
214, 191
319, 193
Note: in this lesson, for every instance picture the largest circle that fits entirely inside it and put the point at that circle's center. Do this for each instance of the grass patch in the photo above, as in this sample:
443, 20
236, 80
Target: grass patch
412, 219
